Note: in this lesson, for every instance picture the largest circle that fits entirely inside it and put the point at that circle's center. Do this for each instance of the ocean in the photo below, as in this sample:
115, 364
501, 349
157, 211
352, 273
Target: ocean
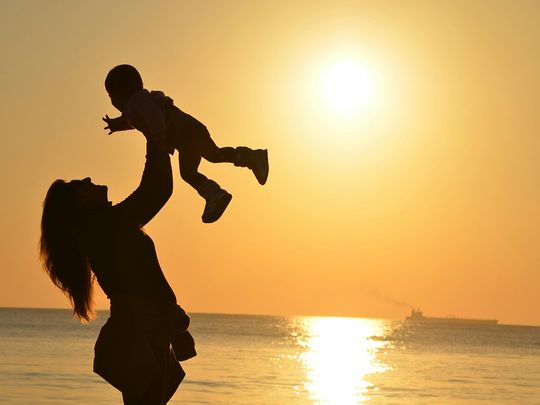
46, 358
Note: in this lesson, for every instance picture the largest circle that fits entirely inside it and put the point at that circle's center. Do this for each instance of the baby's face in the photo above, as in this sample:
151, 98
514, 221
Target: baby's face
117, 101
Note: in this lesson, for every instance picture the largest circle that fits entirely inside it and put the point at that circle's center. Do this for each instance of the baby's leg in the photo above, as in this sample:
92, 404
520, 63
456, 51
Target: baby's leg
213, 153
216, 198
256, 160
189, 165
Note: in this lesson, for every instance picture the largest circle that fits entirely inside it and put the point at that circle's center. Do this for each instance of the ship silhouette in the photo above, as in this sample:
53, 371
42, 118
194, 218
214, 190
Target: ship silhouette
418, 316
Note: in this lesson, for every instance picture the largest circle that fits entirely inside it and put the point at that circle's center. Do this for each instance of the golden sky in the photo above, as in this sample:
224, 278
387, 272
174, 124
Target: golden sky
423, 191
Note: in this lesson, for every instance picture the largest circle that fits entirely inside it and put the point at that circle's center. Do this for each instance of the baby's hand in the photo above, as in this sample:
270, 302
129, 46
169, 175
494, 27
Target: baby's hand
114, 124
110, 124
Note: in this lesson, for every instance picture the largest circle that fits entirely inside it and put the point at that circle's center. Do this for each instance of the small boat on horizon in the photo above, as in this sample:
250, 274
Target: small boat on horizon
418, 316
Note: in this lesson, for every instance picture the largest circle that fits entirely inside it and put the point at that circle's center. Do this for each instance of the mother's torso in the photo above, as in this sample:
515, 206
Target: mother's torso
123, 258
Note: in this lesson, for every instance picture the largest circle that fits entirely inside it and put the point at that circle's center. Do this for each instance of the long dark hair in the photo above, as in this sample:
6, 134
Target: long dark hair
59, 251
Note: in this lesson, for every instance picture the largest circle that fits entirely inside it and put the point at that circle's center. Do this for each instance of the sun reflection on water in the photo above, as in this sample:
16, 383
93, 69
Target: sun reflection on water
340, 354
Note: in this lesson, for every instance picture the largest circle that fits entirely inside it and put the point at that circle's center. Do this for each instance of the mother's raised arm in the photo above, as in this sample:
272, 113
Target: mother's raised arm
153, 191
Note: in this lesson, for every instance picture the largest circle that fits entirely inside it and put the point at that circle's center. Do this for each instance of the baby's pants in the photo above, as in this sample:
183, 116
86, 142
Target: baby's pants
193, 144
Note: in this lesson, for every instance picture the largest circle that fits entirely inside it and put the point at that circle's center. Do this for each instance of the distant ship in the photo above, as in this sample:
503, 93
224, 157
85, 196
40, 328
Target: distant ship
418, 316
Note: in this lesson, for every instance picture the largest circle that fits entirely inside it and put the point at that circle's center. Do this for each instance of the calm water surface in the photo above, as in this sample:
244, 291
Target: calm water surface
46, 358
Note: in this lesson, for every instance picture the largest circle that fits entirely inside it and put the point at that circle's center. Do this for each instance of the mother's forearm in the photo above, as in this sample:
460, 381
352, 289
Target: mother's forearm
154, 190
157, 175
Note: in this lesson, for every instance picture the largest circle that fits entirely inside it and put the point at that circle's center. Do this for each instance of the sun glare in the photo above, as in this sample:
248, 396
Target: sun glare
347, 86
340, 357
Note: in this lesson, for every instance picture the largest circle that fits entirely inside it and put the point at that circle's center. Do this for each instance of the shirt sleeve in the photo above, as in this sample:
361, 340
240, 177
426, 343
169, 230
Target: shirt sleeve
152, 193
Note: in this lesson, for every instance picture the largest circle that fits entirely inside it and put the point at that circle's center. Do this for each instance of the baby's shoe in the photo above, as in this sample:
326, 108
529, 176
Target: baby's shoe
256, 160
216, 203
259, 165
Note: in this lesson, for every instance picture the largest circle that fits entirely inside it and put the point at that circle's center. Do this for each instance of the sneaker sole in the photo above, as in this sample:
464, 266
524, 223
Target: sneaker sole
220, 209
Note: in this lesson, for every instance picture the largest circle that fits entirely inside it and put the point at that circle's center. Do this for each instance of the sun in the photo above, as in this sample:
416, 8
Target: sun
347, 86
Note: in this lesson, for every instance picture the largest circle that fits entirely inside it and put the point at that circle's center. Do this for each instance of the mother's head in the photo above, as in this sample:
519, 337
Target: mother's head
64, 209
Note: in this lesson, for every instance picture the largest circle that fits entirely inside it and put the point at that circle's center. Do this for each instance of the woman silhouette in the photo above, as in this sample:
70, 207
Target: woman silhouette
84, 236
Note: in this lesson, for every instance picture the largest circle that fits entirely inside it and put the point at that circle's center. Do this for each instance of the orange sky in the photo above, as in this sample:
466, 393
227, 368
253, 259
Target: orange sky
427, 194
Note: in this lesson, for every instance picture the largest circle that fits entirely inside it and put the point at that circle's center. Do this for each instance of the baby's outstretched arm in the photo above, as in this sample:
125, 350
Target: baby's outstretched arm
116, 124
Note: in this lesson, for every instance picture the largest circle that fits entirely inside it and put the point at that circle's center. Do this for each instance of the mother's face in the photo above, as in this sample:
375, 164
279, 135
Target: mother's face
91, 195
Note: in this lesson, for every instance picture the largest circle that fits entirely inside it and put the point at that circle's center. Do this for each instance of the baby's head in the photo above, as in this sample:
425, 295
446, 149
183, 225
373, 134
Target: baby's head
121, 83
